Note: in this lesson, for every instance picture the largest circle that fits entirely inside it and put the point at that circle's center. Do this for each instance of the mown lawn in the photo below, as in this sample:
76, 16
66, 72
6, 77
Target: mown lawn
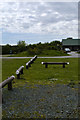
38, 74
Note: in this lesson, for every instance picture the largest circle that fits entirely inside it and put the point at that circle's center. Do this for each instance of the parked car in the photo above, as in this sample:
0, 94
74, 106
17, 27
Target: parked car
67, 50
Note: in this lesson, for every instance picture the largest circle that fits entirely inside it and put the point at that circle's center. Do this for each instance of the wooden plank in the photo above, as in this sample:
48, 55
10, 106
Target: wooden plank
54, 63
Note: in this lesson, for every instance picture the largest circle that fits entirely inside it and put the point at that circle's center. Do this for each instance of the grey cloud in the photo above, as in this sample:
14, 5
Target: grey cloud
25, 25
67, 9
27, 15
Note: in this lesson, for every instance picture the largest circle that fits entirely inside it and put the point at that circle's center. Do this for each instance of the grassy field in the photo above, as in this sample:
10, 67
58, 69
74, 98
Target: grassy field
38, 74
47, 53
41, 89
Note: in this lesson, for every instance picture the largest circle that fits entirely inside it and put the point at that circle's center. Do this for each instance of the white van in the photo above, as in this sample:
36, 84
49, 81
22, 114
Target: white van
67, 50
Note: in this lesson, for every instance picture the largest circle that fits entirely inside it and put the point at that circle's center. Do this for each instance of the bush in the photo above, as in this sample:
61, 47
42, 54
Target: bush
33, 51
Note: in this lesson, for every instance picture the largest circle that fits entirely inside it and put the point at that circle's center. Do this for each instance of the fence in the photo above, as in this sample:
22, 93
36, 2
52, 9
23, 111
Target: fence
28, 64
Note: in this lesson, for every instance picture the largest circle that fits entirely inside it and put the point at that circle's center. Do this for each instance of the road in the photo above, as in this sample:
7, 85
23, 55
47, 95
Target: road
72, 55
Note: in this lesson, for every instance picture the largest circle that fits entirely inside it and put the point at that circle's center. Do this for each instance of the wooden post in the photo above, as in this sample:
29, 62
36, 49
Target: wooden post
10, 85
26, 66
21, 71
63, 65
29, 65
46, 65
18, 76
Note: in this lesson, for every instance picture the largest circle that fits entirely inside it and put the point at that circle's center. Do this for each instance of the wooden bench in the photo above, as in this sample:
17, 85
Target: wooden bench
55, 63
19, 71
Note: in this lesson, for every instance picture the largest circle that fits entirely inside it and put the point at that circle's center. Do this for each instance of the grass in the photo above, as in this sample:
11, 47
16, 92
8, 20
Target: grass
47, 53
9, 67
38, 74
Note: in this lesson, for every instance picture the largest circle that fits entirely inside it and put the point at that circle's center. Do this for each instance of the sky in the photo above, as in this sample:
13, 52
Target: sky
35, 22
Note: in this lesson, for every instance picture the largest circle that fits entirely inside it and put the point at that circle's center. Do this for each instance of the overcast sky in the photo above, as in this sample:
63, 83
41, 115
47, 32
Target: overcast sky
38, 21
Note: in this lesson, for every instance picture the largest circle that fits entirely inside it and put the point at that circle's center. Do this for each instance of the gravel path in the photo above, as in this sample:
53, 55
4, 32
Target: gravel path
41, 101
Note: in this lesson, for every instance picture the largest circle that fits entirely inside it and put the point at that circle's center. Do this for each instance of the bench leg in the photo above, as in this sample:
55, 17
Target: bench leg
10, 86
63, 65
46, 66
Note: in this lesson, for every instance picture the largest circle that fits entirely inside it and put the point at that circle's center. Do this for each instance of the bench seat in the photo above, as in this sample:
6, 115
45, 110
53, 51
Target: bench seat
55, 63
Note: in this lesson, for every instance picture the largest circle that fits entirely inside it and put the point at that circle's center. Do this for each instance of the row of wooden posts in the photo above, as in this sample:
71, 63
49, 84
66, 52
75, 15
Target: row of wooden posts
28, 64
18, 73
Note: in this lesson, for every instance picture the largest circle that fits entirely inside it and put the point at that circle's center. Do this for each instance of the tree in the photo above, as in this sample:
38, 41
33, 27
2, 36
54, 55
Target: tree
6, 49
21, 46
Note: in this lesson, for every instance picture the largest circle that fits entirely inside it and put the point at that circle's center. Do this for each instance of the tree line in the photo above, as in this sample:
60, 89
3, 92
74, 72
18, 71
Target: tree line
32, 49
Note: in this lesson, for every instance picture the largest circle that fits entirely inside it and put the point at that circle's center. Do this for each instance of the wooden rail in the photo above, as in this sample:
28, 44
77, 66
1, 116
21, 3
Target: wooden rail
7, 81
55, 63
28, 64
34, 58
19, 71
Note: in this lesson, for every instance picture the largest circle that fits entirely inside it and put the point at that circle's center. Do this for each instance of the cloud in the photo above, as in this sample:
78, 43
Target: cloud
39, 17
44, 14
